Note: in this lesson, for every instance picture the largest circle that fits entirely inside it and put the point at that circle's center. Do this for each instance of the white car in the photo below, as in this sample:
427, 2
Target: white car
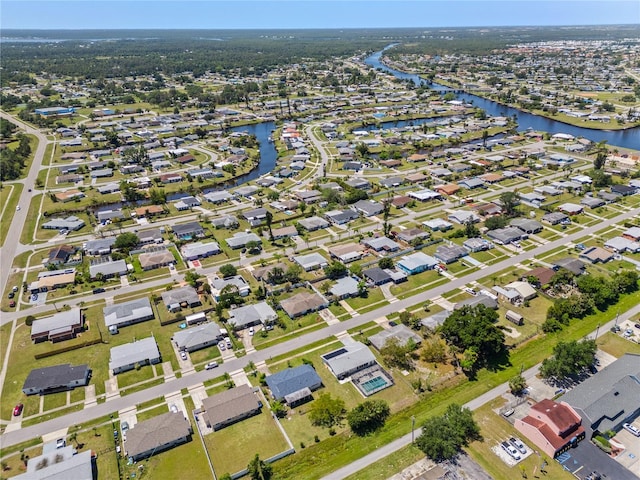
632, 429
211, 365
183, 355
173, 408
511, 450
17, 208
251, 331
516, 442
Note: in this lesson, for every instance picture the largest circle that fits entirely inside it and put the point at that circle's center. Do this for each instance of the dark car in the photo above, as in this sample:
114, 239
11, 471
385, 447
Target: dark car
637, 325
11, 295
98, 290
17, 410
12, 303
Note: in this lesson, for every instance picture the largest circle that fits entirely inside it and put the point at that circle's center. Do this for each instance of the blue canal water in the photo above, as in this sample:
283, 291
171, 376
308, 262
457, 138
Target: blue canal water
629, 138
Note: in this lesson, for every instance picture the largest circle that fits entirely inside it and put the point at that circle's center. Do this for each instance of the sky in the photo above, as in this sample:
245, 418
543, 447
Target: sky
283, 14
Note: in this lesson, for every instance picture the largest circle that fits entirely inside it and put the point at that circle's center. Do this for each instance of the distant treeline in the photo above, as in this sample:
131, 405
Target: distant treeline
13, 160
96, 54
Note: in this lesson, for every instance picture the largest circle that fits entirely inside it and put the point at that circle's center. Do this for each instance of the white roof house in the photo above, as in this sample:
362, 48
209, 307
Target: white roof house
351, 358
311, 261
126, 357
243, 317
128, 313
196, 338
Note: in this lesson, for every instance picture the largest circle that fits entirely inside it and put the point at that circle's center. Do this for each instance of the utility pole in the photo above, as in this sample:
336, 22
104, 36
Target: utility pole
413, 425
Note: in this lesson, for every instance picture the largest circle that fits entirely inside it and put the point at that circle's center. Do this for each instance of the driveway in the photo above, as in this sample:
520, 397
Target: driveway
630, 457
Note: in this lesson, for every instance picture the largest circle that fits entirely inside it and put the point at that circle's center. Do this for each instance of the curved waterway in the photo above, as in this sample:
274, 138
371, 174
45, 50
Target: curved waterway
629, 138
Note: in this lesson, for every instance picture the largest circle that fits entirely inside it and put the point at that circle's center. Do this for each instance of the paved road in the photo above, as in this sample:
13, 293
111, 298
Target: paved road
111, 406
474, 404
8, 250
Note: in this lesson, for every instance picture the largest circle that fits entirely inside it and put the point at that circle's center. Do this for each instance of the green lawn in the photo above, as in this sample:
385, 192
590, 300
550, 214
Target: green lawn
616, 345
390, 465
32, 219
233, 447
9, 197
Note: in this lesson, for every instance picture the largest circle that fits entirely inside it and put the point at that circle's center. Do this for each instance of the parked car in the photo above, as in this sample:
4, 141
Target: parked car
11, 295
508, 413
628, 332
511, 450
183, 355
17, 410
251, 331
222, 346
34, 297
61, 443
124, 426
211, 365
632, 429
15, 288
637, 325
516, 442
173, 408
615, 328
470, 291
12, 303
98, 290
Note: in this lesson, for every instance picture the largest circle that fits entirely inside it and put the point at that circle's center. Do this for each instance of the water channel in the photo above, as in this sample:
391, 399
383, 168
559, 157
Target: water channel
629, 138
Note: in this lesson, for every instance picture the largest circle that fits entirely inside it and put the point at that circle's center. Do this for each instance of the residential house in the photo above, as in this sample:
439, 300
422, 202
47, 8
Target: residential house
69, 195
477, 244
262, 273
194, 251
340, 217
157, 259
504, 236
241, 239
622, 245
157, 434
153, 235
149, 211
401, 333
438, 224
229, 407
448, 189
127, 313
55, 463
376, 276
63, 254
344, 288
380, 244
179, 298
187, 203
526, 225
411, 235
555, 218
56, 378
369, 208
250, 315
481, 299
347, 252
463, 217
238, 281
197, 338
188, 231
349, 359
255, 216
58, 327
294, 386
596, 255
52, 279
313, 223
574, 265
303, 303
416, 263
107, 269
70, 223
312, 261
425, 195
571, 208
130, 355
283, 232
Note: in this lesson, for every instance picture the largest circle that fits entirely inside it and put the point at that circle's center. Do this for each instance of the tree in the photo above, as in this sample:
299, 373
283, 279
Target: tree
442, 436
126, 241
474, 328
469, 359
493, 223
253, 246
599, 161
433, 350
191, 277
335, 270
327, 411
228, 270
269, 219
293, 273
569, 358
278, 409
396, 355
368, 416
385, 262
362, 289
259, 470
517, 384
410, 320
470, 230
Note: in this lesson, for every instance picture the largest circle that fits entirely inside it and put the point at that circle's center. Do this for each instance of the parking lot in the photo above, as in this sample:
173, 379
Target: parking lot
630, 457
587, 458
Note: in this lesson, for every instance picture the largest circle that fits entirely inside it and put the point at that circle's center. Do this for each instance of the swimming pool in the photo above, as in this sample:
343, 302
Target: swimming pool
376, 383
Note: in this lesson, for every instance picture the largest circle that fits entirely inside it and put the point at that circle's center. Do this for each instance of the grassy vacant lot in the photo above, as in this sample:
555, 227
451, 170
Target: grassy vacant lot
233, 447
389, 465
495, 429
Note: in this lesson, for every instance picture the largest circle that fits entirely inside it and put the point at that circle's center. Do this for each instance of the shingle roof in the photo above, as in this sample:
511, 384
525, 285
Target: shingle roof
156, 432
127, 312
55, 376
292, 380
230, 404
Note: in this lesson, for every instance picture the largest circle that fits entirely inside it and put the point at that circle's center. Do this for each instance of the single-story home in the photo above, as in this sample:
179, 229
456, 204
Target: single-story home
194, 251
179, 298
128, 356
349, 359
187, 231
127, 313
417, 262
294, 385
311, 261
156, 435
58, 327
344, 288
230, 406
303, 303
400, 332
249, 315
197, 338
56, 378
240, 239
151, 260
108, 269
